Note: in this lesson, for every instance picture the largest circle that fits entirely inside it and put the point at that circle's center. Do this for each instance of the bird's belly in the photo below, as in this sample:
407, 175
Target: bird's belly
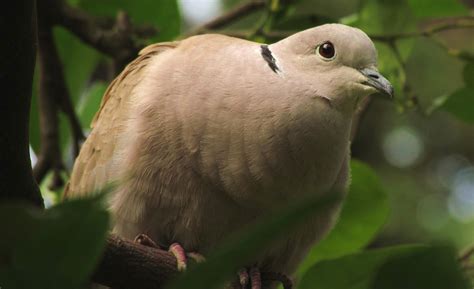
199, 219
203, 224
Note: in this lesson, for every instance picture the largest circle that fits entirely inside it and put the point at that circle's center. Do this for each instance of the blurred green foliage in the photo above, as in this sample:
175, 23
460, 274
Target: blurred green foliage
461, 102
59, 248
357, 225
407, 267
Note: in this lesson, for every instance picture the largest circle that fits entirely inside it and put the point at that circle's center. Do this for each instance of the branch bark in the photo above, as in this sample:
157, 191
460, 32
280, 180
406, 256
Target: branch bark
17, 52
117, 38
53, 96
52, 92
129, 265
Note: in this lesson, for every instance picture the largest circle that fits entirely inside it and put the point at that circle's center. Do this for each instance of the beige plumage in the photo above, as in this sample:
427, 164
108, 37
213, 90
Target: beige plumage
206, 134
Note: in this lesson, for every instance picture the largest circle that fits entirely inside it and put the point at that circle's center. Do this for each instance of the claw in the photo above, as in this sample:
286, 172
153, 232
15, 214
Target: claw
145, 241
198, 258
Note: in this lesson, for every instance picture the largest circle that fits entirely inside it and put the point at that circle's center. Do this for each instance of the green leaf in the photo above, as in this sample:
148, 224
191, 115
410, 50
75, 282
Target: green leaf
432, 73
244, 246
302, 21
390, 67
357, 224
91, 102
78, 59
350, 272
163, 14
468, 74
375, 269
428, 268
442, 8
385, 17
461, 103
332, 9
56, 248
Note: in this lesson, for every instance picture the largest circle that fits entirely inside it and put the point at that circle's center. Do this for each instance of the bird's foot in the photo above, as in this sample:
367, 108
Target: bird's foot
253, 278
176, 249
250, 278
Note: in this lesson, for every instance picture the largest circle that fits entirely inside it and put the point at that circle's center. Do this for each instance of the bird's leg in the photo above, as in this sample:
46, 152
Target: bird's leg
176, 249
254, 278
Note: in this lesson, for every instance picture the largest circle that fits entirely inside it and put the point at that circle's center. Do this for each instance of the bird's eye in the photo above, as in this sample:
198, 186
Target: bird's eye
326, 50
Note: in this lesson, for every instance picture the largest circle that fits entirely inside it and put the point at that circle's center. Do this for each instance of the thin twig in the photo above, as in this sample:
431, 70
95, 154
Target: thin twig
467, 255
229, 17
459, 23
129, 265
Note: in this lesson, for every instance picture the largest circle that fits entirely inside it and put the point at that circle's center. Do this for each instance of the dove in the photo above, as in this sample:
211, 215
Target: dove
205, 135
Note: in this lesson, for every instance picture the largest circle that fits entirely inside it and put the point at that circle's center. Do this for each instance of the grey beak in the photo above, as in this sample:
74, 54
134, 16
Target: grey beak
376, 80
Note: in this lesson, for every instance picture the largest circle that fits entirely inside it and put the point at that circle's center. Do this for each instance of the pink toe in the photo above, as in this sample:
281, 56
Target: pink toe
178, 251
256, 278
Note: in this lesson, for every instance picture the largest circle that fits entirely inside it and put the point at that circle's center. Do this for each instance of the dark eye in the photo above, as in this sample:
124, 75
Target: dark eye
326, 50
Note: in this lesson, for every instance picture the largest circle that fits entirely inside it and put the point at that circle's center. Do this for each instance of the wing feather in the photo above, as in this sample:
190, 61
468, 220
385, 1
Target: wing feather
92, 168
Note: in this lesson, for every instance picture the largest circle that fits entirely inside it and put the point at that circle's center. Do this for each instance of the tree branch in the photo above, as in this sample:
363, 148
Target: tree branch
53, 95
130, 265
116, 38
17, 59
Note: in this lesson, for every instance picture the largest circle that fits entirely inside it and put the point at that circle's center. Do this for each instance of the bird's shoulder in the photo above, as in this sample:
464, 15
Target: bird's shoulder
131, 74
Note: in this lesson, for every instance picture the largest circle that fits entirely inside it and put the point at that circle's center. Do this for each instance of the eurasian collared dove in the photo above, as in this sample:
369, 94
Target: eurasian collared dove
207, 134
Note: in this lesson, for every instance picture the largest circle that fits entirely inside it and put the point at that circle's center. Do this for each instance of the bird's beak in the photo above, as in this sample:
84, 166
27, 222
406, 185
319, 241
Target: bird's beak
376, 80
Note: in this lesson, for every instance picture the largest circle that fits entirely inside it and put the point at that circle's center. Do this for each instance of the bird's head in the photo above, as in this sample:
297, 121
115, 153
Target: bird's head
335, 61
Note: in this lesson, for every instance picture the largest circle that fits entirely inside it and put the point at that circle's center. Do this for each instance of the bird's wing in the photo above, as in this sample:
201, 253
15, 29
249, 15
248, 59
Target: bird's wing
92, 168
